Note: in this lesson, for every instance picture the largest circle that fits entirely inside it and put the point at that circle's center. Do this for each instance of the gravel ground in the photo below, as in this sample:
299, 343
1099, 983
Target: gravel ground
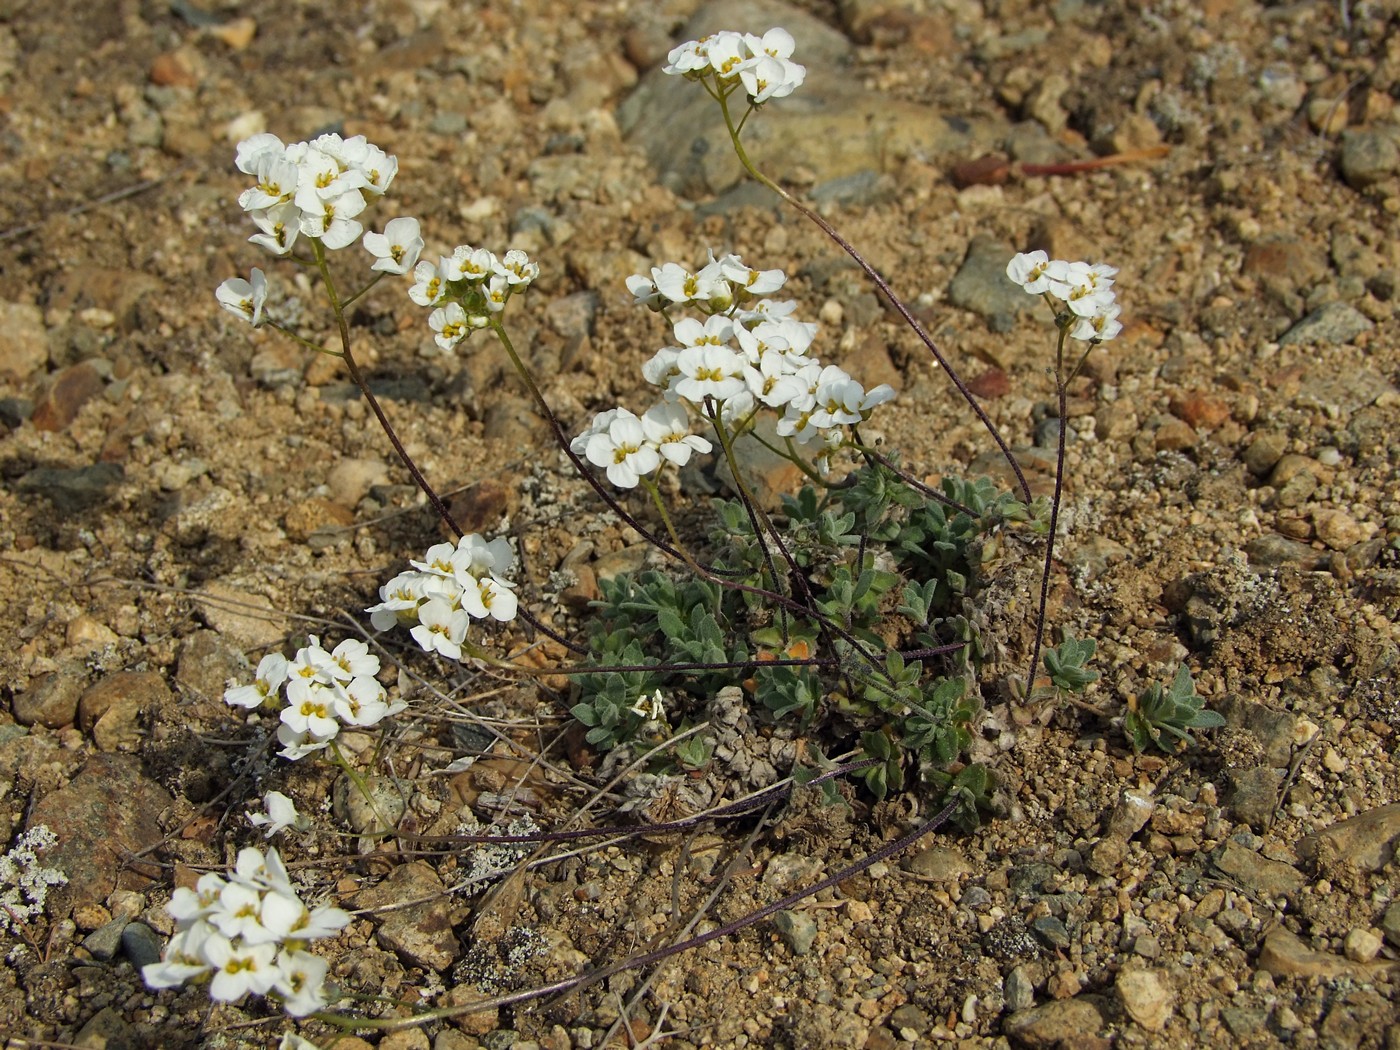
178, 494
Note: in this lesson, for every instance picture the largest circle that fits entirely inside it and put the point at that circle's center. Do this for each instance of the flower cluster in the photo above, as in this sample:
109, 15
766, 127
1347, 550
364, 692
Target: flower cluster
747, 355
24, 882
762, 64
324, 690
1086, 291
317, 190
443, 593
467, 288
250, 931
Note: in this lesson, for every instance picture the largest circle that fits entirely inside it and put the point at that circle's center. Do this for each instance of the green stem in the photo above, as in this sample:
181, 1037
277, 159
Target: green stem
1061, 388
754, 511
358, 378
883, 286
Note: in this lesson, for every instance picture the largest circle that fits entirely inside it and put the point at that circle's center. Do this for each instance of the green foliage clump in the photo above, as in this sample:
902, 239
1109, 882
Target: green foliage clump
1164, 718
872, 570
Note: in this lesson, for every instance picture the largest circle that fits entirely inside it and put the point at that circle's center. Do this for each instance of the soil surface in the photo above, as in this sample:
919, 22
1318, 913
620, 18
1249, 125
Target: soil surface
179, 494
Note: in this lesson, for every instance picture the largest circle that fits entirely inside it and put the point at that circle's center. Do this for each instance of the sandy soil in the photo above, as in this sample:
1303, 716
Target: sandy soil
178, 494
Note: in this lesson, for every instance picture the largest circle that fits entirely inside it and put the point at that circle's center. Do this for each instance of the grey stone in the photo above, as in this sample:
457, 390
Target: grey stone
421, 933
1243, 1022
105, 941
939, 863
1368, 157
52, 700
1029, 880
572, 316
1334, 323
1146, 996
859, 188
1390, 924
1272, 878
141, 944
1065, 1022
1019, 989
1264, 452
830, 127
1051, 931
108, 1030
207, 663
981, 285
374, 811
798, 930
24, 347
106, 812
1131, 814
1285, 955
72, 490
1367, 841
243, 617
1275, 730
910, 1016
1273, 551
1254, 795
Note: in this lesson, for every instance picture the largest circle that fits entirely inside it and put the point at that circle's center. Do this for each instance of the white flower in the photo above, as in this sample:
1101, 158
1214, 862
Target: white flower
644, 292
776, 43
715, 331
495, 293
182, 960
333, 220
377, 168
475, 556
489, 596
323, 177
774, 380
296, 746
1101, 327
271, 673
727, 54
770, 78
239, 969
517, 268
624, 450
301, 982
451, 324
441, 628
679, 285
396, 250
650, 707
667, 426
309, 709
248, 152
363, 703
708, 371
352, 659
280, 225
838, 398
750, 281
242, 298
429, 285
688, 58
276, 181
279, 812
1028, 269
878, 396
661, 369
469, 264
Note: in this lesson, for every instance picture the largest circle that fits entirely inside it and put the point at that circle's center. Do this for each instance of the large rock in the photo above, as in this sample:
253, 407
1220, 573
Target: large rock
1367, 841
420, 934
831, 125
108, 812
